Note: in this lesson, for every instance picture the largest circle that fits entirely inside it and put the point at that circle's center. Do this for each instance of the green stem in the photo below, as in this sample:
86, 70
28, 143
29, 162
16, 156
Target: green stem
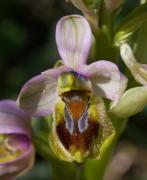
79, 170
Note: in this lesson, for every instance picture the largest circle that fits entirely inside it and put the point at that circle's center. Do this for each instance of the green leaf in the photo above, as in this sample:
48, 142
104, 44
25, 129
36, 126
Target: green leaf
140, 44
131, 23
132, 102
41, 130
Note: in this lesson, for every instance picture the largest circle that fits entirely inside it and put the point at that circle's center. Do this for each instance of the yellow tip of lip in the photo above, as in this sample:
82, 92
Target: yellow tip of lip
79, 157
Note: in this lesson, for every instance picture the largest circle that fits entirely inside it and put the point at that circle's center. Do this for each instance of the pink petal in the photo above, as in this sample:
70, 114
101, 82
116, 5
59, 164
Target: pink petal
107, 81
73, 37
39, 95
123, 86
13, 119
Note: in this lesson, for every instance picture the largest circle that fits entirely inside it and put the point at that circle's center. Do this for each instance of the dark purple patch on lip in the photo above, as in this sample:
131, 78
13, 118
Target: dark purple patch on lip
76, 129
79, 140
64, 134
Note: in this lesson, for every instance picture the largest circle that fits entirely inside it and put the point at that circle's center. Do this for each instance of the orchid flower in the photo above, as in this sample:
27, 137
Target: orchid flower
16, 149
73, 93
138, 70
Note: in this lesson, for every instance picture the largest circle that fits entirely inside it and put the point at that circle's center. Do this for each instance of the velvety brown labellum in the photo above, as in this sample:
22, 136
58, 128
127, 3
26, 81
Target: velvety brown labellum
76, 130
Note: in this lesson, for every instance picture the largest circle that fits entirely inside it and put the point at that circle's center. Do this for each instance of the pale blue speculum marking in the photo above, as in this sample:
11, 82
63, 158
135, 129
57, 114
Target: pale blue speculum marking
68, 120
83, 121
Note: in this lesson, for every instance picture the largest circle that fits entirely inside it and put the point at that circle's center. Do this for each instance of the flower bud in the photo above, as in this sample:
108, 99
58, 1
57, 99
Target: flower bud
138, 70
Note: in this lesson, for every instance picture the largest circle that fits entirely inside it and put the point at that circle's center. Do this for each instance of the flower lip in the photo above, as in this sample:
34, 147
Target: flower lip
77, 134
76, 129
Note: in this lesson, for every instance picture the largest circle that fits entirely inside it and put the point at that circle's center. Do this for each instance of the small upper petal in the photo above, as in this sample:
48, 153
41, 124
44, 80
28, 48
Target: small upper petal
107, 80
39, 95
73, 37
138, 70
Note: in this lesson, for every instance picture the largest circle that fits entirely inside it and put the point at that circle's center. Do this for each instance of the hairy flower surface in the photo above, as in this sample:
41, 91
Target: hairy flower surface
16, 149
73, 92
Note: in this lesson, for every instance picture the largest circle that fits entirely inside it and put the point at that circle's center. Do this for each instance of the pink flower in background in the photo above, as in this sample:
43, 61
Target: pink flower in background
16, 149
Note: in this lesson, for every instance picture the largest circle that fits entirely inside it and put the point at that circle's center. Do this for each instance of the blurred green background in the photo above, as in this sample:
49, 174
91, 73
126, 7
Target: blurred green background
27, 47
